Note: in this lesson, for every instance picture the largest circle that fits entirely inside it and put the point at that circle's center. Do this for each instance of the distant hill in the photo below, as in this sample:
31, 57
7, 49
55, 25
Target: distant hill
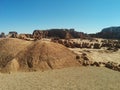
108, 33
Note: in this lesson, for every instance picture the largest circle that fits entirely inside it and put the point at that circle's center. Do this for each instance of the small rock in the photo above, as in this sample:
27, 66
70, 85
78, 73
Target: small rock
96, 64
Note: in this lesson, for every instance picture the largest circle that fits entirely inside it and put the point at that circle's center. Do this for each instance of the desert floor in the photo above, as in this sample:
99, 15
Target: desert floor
73, 78
99, 55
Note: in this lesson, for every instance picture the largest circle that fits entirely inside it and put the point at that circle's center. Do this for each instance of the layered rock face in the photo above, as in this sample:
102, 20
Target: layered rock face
13, 34
50, 33
108, 33
25, 36
58, 33
38, 34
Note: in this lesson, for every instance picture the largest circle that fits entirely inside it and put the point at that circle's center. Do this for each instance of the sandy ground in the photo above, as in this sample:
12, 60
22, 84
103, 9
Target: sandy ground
74, 78
99, 55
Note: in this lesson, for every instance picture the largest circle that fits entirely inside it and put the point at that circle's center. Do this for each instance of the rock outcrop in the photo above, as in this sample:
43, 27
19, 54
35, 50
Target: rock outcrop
13, 34
58, 33
2, 35
39, 34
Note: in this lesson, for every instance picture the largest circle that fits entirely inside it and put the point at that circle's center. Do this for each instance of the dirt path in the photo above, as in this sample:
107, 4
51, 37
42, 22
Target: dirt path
74, 78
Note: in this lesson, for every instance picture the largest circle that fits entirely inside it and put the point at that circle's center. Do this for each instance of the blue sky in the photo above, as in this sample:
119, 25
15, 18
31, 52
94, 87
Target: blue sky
89, 16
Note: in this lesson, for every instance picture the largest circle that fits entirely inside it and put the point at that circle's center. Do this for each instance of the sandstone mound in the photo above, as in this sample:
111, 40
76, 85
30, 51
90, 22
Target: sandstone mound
21, 55
42, 55
9, 48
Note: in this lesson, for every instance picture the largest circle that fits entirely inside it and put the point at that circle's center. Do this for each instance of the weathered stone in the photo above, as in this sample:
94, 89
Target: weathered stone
96, 64
39, 34
13, 34
2, 35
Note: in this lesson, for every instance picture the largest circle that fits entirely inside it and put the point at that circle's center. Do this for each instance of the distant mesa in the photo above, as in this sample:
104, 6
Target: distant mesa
111, 29
57, 33
108, 33
51, 33
111, 32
